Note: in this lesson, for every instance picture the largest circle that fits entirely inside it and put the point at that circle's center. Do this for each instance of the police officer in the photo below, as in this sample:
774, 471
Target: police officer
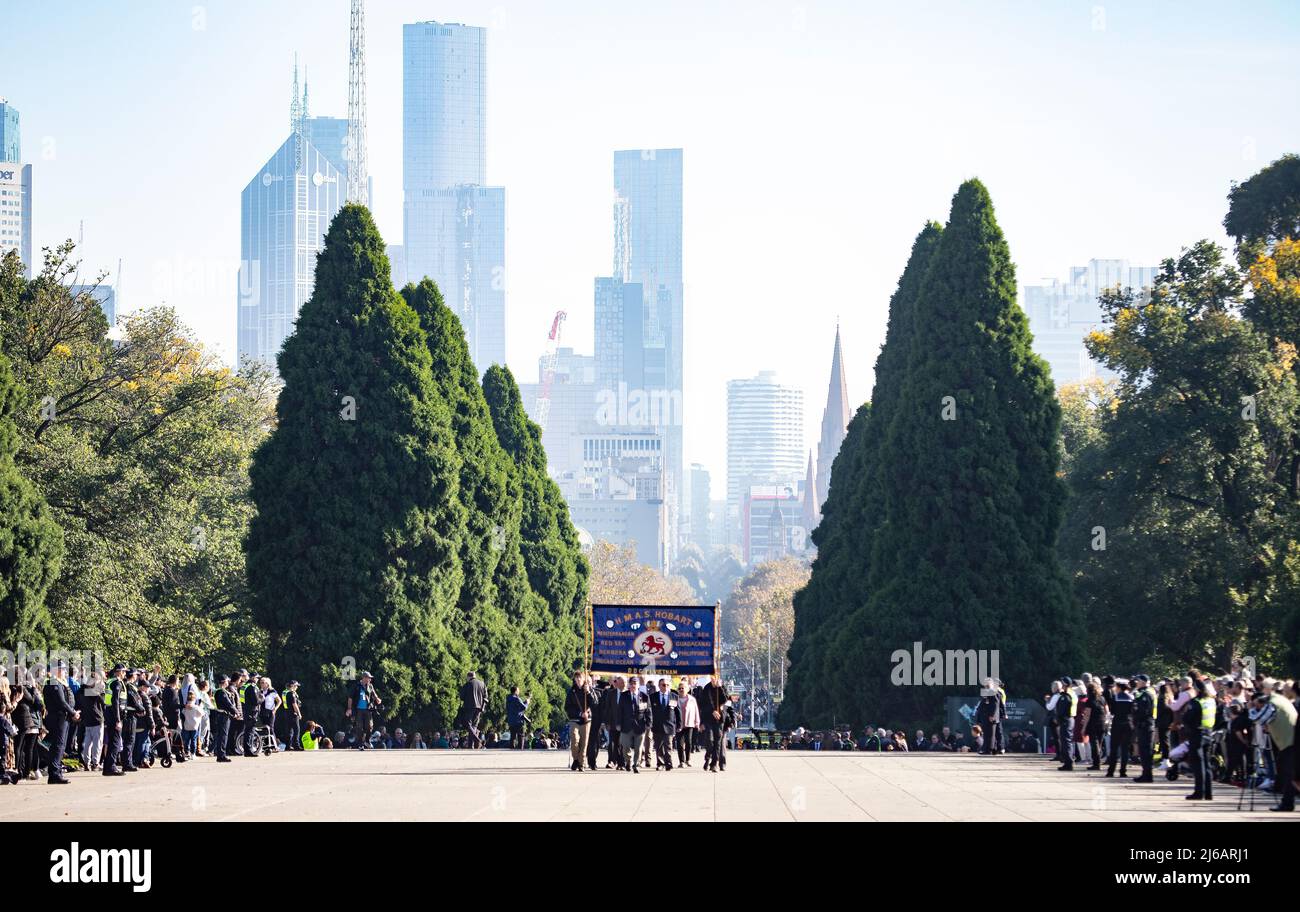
234, 743
252, 699
225, 709
1121, 706
114, 699
1145, 707
1067, 707
60, 710
1198, 725
293, 717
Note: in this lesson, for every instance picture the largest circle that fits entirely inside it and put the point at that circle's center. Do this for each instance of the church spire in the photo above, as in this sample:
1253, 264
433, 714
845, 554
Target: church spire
835, 421
811, 503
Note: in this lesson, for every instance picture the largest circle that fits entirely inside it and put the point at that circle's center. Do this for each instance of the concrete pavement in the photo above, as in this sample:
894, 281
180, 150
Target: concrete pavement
537, 785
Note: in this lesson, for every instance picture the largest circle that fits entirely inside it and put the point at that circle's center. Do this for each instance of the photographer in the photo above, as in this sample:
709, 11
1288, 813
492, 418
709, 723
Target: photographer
362, 702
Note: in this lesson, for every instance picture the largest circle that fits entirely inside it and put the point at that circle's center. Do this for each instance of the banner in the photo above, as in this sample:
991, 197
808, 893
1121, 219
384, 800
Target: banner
654, 639
1021, 714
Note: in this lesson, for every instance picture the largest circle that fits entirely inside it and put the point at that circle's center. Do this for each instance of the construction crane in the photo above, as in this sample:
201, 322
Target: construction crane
549, 360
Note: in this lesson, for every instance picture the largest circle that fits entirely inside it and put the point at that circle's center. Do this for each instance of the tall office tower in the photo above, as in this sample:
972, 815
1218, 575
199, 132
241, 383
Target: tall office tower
765, 443
1061, 314
284, 213
620, 334
454, 227
11, 148
16, 212
648, 251
835, 423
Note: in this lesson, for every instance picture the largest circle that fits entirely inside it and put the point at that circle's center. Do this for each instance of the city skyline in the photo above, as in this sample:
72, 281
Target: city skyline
783, 233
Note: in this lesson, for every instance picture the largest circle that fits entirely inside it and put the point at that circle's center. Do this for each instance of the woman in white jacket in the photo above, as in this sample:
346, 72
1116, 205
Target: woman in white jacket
685, 736
1051, 721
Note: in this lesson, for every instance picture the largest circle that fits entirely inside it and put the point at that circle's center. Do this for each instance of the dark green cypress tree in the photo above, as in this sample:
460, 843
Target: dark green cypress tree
510, 637
353, 554
817, 692
31, 543
965, 558
552, 557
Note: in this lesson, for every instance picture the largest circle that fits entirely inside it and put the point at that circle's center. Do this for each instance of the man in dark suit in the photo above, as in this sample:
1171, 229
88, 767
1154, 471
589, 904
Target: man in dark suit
60, 710
712, 698
665, 720
609, 712
473, 700
633, 720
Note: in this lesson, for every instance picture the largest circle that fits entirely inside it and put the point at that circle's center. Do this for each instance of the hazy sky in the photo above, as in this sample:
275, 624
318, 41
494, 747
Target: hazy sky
818, 138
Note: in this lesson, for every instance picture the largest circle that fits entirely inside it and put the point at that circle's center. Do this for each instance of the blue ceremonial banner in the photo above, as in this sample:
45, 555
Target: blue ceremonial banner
654, 639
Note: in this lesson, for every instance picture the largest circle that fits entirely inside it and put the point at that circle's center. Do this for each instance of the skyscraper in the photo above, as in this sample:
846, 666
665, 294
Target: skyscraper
285, 211
835, 423
1061, 314
764, 438
11, 148
454, 227
16, 211
648, 252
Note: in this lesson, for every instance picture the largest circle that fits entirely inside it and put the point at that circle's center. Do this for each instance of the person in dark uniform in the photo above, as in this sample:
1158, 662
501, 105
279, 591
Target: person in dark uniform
251, 697
132, 711
1145, 710
292, 717
665, 720
1198, 726
225, 710
60, 710
1121, 706
234, 745
114, 705
1067, 709
712, 700
473, 700
609, 711
730, 719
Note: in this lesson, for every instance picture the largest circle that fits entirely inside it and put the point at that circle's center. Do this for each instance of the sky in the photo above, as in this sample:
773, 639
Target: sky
818, 137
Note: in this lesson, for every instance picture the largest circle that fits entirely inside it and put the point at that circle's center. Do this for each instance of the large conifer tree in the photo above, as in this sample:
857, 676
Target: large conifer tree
965, 558
354, 550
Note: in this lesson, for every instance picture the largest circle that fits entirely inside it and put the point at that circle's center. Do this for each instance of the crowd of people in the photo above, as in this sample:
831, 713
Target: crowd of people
1237, 728
65, 720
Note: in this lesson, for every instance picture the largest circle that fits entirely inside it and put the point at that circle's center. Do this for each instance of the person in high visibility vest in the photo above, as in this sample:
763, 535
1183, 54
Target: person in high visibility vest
1198, 726
1145, 710
1067, 708
311, 736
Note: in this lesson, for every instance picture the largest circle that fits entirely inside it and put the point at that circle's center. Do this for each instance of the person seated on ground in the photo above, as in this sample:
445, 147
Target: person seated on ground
1030, 743
312, 736
977, 736
949, 737
399, 739
440, 741
920, 743
937, 746
899, 742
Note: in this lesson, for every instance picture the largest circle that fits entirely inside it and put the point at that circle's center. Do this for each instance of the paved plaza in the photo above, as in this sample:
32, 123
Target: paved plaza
537, 785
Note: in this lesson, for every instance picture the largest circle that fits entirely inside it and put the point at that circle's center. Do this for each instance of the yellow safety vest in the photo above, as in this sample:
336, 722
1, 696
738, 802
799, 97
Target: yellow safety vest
1074, 702
1155, 703
308, 742
1207, 713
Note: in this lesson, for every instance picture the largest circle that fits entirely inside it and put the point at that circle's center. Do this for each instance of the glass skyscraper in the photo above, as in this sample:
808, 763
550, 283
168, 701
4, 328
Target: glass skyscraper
648, 252
453, 225
284, 213
11, 149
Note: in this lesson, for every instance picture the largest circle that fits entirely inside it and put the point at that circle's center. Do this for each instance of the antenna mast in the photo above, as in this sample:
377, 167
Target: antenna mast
358, 179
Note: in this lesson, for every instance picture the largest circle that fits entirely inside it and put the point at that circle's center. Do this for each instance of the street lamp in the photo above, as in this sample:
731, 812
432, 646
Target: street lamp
769, 675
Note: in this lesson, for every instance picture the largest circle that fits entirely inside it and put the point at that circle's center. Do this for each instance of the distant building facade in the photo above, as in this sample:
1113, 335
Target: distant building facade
765, 443
1061, 314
